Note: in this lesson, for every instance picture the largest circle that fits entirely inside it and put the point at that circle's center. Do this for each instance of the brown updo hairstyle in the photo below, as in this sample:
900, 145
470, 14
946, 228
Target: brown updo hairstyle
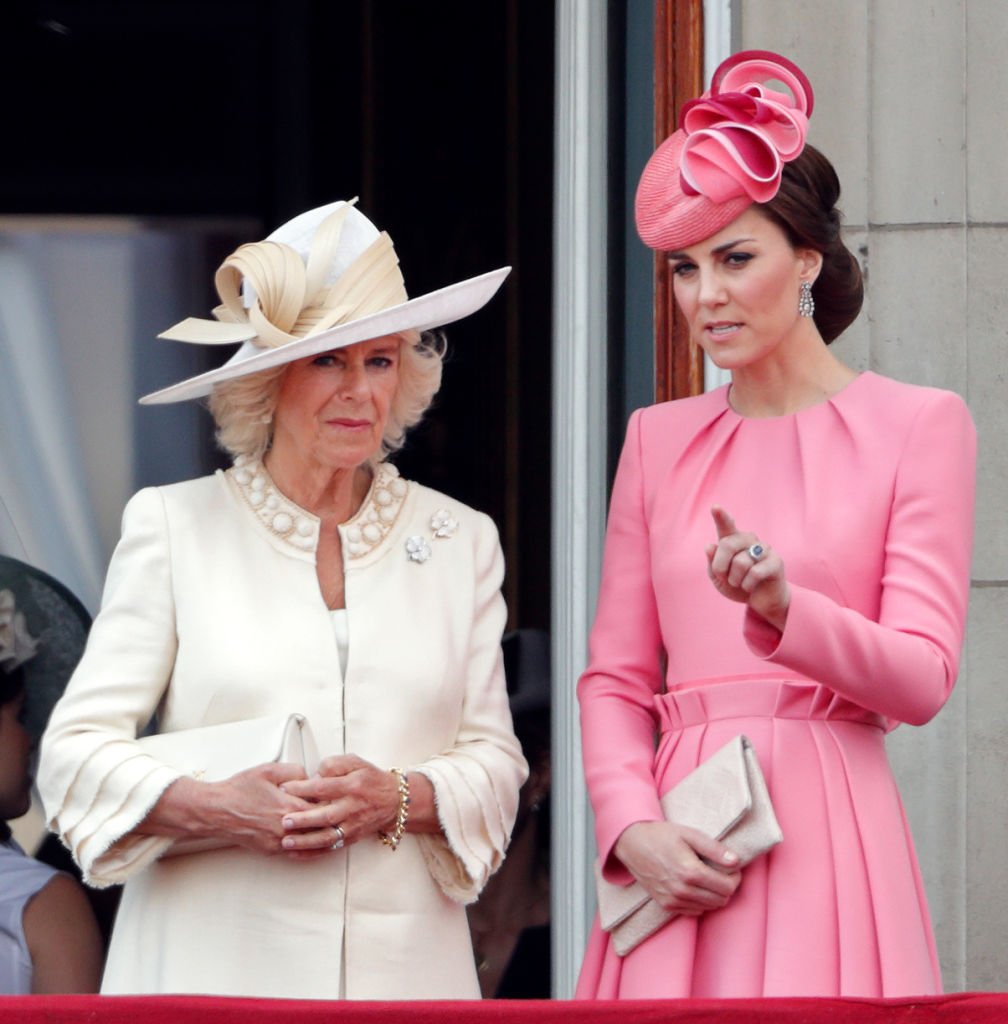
805, 209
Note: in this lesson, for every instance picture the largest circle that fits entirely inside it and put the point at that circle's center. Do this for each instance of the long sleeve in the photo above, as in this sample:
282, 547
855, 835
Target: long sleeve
616, 691
476, 781
95, 784
904, 665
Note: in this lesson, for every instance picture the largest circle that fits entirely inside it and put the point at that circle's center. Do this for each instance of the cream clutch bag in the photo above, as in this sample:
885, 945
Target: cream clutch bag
212, 753
726, 797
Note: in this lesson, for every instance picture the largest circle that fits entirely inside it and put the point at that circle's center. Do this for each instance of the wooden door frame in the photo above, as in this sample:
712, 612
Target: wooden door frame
678, 77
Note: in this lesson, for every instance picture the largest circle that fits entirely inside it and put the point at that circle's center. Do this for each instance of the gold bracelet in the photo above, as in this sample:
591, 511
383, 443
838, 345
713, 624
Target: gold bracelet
394, 838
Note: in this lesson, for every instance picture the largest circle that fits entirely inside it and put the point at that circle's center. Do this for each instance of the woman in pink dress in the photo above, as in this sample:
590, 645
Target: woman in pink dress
787, 557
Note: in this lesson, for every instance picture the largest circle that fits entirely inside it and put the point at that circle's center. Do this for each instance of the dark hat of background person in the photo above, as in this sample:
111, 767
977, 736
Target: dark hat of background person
52, 627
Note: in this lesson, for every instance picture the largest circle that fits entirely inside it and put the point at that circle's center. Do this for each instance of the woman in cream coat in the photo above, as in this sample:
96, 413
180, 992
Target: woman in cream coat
310, 578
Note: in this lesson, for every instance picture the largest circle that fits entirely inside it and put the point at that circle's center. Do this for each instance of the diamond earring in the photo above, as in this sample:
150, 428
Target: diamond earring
806, 304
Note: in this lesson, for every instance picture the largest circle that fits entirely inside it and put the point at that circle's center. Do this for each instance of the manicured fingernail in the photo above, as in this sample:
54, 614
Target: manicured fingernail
730, 858
288, 823
288, 842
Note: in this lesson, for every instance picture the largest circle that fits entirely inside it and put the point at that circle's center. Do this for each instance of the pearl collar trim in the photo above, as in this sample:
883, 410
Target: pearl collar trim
299, 529
377, 514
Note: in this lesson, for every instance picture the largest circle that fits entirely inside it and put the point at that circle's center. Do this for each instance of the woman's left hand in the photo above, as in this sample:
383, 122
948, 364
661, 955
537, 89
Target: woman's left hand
738, 575
353, 799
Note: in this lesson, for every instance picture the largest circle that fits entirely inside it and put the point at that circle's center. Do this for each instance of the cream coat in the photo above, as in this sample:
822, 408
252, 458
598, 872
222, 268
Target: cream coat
212, 613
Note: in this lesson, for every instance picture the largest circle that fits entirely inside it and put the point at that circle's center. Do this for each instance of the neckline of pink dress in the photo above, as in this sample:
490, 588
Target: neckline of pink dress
834, 399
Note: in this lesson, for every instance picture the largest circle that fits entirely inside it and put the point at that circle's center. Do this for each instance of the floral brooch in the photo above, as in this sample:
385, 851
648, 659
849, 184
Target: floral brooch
442, 525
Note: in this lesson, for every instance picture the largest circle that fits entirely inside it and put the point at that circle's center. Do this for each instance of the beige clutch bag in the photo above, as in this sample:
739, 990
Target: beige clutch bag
726, 797
212, 753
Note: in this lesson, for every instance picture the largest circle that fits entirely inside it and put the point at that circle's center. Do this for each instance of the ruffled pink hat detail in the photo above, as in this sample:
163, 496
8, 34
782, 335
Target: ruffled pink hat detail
728, 153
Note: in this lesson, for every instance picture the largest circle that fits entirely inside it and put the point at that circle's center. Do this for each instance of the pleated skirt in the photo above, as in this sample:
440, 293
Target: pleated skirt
837, 909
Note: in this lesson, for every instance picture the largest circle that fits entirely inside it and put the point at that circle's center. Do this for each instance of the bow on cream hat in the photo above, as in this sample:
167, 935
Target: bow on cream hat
324, 280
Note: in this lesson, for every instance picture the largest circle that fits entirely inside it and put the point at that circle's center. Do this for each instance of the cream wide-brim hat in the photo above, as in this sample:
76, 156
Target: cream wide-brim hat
322, 281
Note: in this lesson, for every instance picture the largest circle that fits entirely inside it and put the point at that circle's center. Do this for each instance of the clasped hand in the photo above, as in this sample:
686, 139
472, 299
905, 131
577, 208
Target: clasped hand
682, 869
348, 799
736, 574
275, 808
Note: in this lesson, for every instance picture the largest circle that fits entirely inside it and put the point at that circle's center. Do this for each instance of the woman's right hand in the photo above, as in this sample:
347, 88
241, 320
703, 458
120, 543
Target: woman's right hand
682, 869
255, 805
247, 808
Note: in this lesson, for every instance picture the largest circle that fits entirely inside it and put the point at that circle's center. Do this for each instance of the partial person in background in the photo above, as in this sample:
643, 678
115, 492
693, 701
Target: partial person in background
62, 623
796, 547
310, 579
510, 923
49, 940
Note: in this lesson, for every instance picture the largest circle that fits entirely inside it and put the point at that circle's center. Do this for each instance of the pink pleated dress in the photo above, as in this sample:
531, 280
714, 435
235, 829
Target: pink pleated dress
868, 497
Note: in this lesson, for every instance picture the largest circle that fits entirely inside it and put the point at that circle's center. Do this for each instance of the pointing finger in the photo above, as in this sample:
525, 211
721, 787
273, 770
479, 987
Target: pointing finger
723, 522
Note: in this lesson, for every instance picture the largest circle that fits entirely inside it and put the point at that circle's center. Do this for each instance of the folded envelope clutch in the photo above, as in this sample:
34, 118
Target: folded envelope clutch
725, 797
212, 753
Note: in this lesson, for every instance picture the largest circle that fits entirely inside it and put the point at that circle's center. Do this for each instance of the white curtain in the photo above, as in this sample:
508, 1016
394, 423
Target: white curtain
46, 514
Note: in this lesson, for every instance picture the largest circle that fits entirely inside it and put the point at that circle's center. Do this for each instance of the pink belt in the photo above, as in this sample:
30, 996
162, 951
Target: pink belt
700, 703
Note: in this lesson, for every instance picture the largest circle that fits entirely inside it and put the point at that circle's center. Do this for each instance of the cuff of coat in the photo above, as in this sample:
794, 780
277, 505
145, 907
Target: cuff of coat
102, 843
474, 833
606, 838
792, 646
763, 639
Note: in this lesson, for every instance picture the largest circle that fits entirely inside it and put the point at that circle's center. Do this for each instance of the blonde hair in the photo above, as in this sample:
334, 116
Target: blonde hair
243, 408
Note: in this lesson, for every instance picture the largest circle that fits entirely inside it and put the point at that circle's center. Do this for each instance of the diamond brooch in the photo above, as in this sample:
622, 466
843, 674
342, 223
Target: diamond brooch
443, 526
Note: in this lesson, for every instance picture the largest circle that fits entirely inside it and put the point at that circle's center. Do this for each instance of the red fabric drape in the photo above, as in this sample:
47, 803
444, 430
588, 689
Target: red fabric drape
972, 1007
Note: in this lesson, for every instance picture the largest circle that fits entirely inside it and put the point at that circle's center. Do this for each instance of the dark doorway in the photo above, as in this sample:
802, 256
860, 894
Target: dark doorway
439, 116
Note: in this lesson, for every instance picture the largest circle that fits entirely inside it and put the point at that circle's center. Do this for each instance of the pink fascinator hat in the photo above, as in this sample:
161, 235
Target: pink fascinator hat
728, 153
